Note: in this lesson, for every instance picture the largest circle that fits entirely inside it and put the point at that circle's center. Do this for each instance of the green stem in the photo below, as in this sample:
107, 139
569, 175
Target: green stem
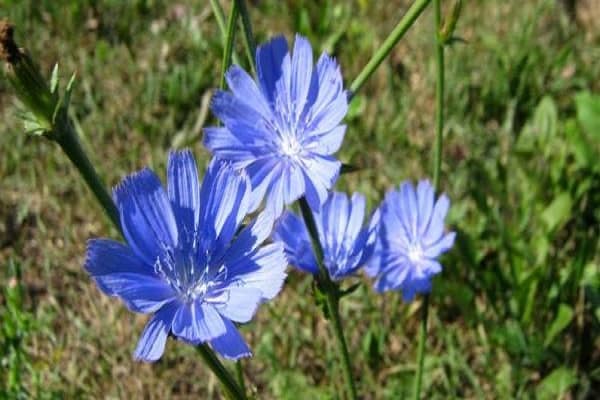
249, 42
421, 348
437, 163
231, 387
332, 296
239, 371
439, 97
69, 142
333, 302
228, 48
401, 28
220, 17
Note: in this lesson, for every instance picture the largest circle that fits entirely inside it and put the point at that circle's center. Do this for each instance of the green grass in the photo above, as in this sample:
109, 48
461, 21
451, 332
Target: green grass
515, 313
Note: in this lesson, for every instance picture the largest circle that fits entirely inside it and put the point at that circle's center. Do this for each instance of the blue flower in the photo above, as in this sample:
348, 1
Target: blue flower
184, 261
347, 245
284, 128
411, 238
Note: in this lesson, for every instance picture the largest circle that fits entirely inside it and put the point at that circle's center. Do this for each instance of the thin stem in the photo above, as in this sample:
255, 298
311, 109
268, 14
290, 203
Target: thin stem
401, 28
333, 302
228, 48
309, 220
249, 42
231, 387
68, 141
220, 17
332, 296
439, 97
421, 348
437, 163
239, 371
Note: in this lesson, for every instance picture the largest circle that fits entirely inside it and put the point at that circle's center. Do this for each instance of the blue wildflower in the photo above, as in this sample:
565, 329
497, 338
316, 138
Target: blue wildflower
347, 245
284, 128
411, 238
184, 261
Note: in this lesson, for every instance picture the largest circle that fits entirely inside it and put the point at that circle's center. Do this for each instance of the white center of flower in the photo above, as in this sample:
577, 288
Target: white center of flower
290, 146
415, 252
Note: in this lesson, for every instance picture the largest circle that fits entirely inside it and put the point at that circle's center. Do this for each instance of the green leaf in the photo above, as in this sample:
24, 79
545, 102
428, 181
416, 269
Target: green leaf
54, 79
588, 113
558, 212
561, 321
556, 384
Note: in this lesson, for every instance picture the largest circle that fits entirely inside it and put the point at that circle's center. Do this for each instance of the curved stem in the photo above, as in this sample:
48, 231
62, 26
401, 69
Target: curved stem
249, 42
394, 37
437, 163
231, 387
220, 18
332, 297
69, 142
228, 48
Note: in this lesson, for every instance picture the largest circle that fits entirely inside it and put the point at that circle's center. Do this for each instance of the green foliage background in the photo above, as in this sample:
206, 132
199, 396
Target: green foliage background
515, 312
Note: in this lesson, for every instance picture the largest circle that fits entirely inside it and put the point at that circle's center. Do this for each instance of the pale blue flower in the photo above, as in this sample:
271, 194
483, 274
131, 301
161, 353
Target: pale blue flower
411, 238
285, 127
347, 245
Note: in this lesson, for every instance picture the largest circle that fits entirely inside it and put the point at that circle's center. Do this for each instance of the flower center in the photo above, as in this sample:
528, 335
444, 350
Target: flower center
415, 252
191, 276
290, 146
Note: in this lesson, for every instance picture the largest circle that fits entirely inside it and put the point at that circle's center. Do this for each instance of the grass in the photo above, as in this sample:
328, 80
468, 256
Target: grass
515, 314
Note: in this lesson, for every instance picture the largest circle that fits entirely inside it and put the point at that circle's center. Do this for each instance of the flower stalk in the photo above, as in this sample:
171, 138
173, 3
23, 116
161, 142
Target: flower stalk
229, 39
249, 42
437, 163
394, 37
332, 297
232, 389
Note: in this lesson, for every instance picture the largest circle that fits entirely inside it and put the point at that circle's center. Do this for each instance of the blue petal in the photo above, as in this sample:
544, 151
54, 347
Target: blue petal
105, 256
302, 62
320, 172
240, 302
327, 143
292, 232
226, 146
151, 344
326, 88
140, 293
244, 88
238, 116
146, 215
262, 269
425, 199
408, 208
254, 234
269, 60
197, 323
231, 345
393, 276
224, 198
184, 190
442, 246
436, 226
262, 173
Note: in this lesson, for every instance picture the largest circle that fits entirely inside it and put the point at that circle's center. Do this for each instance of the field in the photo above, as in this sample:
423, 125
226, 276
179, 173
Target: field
515, 312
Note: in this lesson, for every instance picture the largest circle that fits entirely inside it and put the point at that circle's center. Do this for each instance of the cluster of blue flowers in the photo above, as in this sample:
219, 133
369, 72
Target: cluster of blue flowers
198, 264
